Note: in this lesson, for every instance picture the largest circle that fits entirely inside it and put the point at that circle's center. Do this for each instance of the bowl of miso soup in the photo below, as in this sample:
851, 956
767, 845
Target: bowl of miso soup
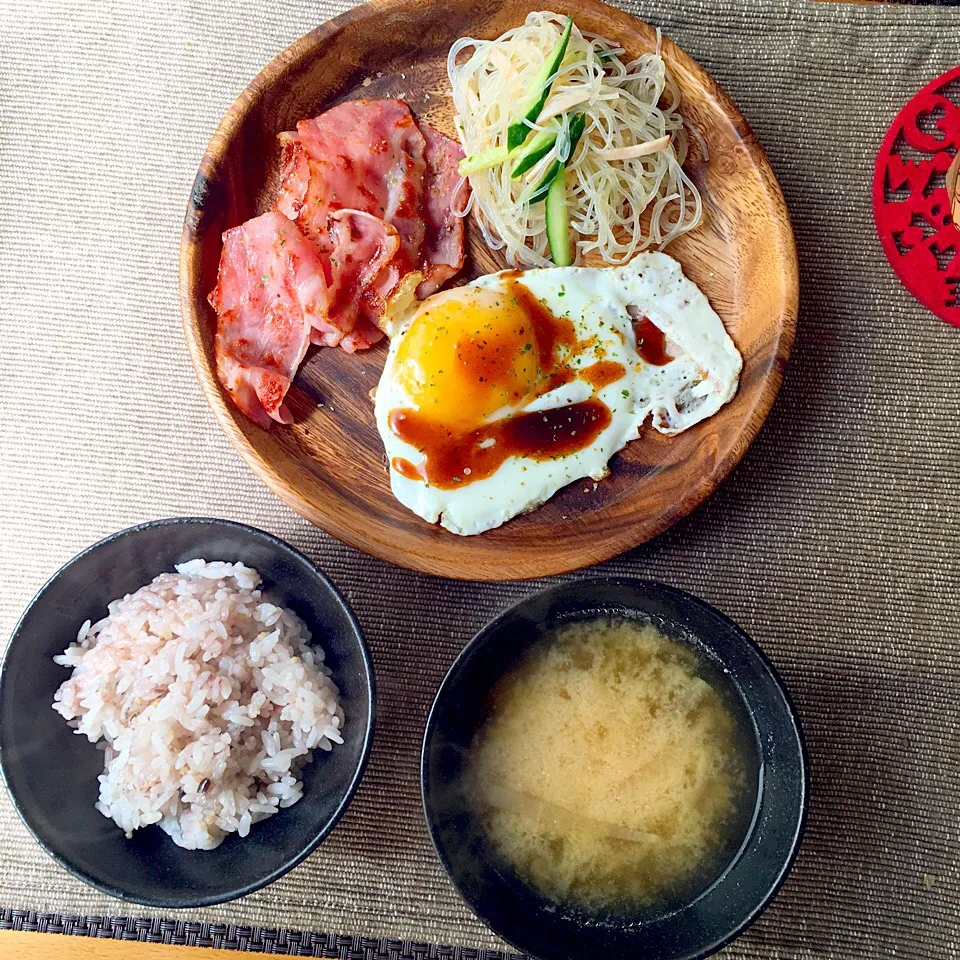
613, 768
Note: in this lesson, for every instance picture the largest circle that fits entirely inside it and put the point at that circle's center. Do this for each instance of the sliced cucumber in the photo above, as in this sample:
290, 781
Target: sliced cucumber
553, 171
531, 152
519, 130
577, 124
482, 160
558, 221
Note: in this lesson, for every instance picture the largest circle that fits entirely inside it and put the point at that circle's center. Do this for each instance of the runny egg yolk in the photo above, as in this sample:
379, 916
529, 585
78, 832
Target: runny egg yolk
468, 354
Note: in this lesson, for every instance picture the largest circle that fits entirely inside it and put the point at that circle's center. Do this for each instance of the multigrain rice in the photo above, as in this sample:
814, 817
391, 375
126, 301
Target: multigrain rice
209, 700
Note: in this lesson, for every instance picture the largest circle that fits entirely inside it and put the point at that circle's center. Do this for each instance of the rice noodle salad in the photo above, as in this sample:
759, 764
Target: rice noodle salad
611, 127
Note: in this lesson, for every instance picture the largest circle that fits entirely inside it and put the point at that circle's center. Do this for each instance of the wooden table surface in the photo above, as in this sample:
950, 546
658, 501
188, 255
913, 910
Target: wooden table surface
17, 945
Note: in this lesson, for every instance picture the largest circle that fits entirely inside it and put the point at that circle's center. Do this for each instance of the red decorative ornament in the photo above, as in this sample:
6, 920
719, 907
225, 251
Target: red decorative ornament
911, 202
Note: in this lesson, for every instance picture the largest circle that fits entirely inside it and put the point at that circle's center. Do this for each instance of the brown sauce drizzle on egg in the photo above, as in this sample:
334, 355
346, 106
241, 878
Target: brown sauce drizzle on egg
651, 340
458, 455
454, 459
602, 373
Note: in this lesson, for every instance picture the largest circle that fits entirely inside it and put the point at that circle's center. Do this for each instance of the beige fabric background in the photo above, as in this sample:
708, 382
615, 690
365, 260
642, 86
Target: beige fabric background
835, 543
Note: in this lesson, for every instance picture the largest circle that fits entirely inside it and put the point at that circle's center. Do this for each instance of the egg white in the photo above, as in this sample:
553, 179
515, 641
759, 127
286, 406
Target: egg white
689, 388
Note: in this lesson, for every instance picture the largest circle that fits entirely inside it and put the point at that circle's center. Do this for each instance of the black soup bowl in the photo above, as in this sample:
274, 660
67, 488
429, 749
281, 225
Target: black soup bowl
51, 772
774, 810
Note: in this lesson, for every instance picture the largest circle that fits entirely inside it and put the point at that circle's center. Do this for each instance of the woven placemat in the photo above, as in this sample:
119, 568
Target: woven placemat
835, 543
248, 939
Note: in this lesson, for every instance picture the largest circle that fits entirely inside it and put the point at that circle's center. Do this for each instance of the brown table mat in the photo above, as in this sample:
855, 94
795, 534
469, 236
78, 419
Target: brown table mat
244, 938
834, 544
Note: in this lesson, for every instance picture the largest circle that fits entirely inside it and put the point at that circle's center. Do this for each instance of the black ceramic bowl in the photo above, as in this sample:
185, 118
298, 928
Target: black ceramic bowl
772, 827
51, 773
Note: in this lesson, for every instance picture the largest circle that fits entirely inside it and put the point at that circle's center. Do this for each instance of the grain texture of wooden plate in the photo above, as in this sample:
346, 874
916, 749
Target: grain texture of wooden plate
329, 464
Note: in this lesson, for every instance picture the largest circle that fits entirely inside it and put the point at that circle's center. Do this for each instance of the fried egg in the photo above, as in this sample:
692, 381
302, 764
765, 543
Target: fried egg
497, 394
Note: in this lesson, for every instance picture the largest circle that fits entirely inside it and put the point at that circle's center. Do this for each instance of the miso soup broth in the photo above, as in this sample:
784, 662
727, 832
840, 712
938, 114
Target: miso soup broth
614, 773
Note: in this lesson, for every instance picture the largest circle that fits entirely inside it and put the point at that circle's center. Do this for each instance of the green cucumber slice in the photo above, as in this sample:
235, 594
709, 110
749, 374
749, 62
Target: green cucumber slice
578, 123
518, 131
533, 151
558, 221
482, 160
553, 171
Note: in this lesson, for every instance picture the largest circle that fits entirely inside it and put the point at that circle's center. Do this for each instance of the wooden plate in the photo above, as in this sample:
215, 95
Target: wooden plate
329, 465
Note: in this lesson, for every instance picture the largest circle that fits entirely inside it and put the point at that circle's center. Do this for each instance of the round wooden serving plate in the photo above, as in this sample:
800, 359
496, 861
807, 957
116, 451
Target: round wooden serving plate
329, 465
